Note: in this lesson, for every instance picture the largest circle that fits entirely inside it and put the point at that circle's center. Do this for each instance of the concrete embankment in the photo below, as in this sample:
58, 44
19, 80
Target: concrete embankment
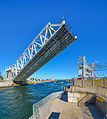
95, 96
7, 83
98, 88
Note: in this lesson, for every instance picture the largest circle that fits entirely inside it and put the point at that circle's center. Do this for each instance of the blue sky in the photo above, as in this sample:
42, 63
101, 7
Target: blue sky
22, 20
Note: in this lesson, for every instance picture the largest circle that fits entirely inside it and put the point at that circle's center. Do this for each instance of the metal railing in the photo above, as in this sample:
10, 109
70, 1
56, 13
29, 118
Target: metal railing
42, 108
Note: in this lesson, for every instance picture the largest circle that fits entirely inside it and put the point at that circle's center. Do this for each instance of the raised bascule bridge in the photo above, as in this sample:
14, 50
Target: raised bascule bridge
53, 39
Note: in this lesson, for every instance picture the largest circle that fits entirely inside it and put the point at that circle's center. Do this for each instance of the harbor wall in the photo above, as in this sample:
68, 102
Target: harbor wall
82, 83
102, 91
41, 109
6, 83
97, 95
84, 90
90, 82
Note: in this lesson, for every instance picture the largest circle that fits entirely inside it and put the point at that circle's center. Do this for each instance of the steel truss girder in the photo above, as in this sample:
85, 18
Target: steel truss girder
52, 39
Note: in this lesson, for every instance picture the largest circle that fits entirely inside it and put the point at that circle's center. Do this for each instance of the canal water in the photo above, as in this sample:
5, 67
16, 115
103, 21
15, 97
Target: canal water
17, 102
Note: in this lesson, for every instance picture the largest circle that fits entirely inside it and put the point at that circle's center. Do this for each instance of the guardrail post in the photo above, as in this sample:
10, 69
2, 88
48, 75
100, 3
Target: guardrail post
104, 81
92, 82
82, 81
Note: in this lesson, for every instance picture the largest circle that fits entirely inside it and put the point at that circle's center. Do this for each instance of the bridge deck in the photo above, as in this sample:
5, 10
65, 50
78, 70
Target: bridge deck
55, 44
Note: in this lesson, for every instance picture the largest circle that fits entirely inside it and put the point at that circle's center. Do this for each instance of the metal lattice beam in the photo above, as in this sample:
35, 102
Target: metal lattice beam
48, 43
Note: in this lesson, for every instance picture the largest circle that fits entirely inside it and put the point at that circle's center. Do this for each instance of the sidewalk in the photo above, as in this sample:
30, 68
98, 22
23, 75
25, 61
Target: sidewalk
64, 110
61, 109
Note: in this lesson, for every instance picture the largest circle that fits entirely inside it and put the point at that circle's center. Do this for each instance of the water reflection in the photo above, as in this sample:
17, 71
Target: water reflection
17, 102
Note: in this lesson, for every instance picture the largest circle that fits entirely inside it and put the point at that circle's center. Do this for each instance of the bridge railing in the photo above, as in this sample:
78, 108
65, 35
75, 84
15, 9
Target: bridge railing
42, 108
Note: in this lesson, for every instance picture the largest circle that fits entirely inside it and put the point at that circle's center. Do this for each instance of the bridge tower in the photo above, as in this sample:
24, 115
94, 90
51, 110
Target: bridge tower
85, 70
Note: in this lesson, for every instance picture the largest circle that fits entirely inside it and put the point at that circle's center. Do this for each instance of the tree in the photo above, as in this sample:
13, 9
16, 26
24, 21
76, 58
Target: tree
1, 76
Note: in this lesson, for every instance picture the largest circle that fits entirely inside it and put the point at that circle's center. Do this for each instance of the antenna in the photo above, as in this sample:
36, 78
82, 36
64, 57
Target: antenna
62, 19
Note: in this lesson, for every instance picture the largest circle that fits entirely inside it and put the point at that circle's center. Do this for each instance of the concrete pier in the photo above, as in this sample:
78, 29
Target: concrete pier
85, 108
77, 103
64, 110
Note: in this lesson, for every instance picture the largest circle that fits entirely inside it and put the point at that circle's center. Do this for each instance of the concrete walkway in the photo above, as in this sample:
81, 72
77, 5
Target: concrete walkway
61, 109
91, 112
64, 110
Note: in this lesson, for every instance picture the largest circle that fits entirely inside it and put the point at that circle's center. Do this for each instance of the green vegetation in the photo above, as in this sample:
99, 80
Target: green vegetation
1, 77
